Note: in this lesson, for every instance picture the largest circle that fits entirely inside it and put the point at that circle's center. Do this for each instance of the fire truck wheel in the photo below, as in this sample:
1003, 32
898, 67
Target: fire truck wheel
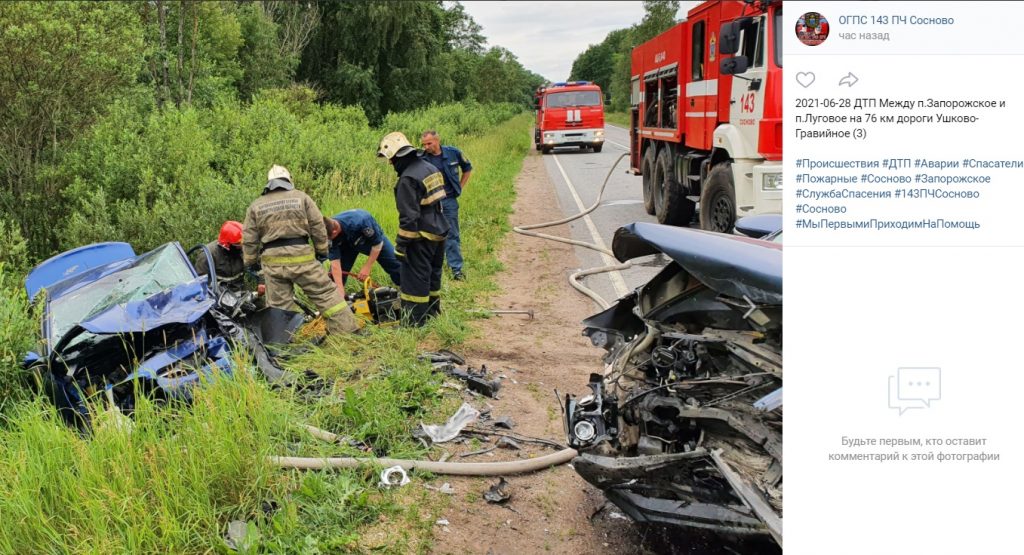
718, 201
545, 150
675, 208
647, 170
597, 148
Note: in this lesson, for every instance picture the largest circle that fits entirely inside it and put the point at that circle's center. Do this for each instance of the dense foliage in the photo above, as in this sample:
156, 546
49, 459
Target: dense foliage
210, 163
607, 63
115, 117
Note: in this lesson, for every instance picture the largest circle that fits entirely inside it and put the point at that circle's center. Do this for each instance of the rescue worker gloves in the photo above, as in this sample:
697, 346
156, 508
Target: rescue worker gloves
394, 144
230, 234
279, 172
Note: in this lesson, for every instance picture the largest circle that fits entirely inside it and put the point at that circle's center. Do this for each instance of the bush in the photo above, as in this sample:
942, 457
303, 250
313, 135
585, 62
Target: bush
178, 174
17, 326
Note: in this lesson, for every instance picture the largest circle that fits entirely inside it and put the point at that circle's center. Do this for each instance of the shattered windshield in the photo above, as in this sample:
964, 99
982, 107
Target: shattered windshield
155, 271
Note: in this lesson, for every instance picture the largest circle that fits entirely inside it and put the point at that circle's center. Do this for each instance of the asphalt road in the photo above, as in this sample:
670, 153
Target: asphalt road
577, 175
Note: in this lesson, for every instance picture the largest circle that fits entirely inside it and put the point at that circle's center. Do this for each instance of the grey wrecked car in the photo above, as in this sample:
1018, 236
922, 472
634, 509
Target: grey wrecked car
684, 427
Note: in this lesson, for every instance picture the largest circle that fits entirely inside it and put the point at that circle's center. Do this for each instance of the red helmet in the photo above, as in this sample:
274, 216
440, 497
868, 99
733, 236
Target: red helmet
230, 234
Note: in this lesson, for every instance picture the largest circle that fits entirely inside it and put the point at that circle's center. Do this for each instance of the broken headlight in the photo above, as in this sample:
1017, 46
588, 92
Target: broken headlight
592, 418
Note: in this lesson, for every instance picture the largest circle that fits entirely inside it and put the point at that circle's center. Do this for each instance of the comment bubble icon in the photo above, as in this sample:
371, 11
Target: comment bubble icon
919, 384
914, 388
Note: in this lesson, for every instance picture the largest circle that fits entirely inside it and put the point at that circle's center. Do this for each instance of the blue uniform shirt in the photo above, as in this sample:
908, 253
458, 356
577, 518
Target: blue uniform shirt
359, 233
450, 161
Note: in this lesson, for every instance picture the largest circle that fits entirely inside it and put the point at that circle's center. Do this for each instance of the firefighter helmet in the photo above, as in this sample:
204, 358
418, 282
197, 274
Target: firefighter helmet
279, 172
394, 144
230, 234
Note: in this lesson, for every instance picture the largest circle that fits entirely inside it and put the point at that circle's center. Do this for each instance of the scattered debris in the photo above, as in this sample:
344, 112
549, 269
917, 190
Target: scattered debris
442, 522
450, 430
504, 422
480, 452
269, 507
445, 488
476, 380
388, 481
242, 537
444, 456
508, 443
518, 437
452, 385
497, 493
497, 312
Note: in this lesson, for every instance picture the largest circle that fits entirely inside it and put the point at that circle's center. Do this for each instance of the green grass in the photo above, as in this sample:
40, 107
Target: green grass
174, 480
617, 118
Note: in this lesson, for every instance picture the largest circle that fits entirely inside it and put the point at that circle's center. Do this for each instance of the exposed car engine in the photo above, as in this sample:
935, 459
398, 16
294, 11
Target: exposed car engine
685, 425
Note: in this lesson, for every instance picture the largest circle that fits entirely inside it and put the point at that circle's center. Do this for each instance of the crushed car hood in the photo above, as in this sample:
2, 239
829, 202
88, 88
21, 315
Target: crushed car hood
729, 264
183, 304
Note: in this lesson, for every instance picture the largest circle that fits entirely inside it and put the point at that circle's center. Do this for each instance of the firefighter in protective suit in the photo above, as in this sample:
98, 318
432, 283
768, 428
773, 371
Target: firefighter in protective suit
421, 228
226, 253
279, 226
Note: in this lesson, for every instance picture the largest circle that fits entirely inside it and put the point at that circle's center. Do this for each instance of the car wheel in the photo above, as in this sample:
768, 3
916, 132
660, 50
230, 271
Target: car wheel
675, 208
597, 148
718, 201
647, 170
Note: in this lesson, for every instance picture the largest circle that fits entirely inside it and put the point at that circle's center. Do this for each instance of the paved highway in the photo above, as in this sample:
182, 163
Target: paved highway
577, 175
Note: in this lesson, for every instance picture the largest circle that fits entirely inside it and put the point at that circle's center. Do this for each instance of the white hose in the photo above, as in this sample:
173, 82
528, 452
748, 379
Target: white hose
437, 467
574, 279
453, 468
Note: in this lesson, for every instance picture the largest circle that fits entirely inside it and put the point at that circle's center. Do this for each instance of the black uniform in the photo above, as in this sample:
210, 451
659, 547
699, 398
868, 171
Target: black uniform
227, 263
421, 233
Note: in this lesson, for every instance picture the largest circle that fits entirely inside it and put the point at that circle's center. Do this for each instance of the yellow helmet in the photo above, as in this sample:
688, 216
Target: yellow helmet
394, 144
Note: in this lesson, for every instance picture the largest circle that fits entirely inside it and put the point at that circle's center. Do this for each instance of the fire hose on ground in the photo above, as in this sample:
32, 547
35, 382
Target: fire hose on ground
574, 279
437, 467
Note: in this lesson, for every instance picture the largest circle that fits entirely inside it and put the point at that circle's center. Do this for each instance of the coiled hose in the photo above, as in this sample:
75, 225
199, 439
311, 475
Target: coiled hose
574, 278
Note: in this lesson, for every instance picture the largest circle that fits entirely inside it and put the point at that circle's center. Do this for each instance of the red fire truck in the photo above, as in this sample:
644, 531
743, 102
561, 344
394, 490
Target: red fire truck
569, 114
706, 115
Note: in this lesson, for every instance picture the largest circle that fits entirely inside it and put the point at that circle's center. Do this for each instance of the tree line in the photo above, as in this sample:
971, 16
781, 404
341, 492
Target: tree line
608, 62
64, 66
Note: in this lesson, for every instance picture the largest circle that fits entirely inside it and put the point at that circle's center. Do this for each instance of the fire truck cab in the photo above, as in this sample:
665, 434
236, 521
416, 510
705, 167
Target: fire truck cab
706, 115
569, 114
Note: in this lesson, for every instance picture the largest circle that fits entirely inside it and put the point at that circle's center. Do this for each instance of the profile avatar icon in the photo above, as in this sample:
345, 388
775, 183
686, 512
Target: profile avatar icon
812, 28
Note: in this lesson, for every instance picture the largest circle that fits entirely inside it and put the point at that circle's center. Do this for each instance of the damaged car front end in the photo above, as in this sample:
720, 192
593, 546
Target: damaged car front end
684, 428
117, 325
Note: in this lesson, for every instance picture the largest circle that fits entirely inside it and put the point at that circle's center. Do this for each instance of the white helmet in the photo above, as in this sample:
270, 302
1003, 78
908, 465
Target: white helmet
279, 172
394, 144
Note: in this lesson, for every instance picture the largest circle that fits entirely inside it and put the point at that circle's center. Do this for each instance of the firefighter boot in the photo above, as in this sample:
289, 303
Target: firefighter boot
434, 306
414, 314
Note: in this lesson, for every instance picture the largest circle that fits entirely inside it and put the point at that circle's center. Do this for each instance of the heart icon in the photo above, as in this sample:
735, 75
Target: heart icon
805, 78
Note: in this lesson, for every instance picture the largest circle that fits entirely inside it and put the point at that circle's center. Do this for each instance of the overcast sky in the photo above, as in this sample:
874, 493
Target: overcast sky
547, 36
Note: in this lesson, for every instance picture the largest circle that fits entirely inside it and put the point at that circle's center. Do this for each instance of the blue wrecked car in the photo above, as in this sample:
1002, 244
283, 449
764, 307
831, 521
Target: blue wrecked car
120, 324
